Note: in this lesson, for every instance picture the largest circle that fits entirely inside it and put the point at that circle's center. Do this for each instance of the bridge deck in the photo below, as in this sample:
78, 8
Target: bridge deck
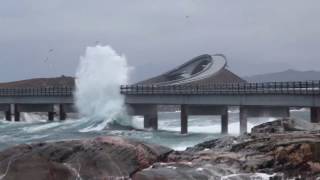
304, 94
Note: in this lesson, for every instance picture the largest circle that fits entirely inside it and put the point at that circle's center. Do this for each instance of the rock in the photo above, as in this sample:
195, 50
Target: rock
100, 158
221, 143
278, 126
277, 150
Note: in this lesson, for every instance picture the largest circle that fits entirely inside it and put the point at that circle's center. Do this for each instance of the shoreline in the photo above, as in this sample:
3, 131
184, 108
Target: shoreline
274, 149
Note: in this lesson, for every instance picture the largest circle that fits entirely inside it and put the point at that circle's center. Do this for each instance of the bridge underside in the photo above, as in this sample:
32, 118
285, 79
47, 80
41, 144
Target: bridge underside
149, 111
16, 109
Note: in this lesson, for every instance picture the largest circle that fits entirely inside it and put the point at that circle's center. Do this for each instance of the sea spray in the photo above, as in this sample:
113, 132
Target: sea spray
100, 73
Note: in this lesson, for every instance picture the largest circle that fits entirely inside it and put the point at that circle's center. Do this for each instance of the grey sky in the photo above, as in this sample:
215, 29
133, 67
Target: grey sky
256, 36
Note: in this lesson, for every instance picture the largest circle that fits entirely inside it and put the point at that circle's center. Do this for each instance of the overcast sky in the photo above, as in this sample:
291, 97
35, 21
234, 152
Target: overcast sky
156, 35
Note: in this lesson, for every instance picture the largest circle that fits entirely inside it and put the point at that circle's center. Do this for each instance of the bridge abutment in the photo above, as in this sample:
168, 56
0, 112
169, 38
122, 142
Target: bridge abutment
315, 114
260, 111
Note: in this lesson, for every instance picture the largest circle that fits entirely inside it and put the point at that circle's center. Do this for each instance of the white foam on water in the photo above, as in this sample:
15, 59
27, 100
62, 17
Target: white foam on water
299, 110
41, 127
138, 122
33, 117
100, 73
215, 128
260, 176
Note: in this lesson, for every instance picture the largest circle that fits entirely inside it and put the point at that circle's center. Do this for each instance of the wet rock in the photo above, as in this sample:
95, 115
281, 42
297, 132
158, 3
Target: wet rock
100, 158
277, 150
278, 126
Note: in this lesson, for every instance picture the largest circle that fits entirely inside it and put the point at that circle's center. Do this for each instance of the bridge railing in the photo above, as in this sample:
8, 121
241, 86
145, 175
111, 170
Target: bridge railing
296, 88
52, 91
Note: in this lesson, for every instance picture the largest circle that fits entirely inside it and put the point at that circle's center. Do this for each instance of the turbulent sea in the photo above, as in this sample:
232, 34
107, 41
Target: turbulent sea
34, 128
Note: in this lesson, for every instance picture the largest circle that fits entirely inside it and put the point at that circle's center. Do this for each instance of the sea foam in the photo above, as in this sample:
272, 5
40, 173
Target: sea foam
100, 73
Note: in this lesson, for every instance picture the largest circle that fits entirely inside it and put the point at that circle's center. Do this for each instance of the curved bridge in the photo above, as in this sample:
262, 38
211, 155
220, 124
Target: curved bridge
203, 86
198, 70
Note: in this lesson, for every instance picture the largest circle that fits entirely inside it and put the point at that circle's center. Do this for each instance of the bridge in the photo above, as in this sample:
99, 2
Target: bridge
272, 99
202, 86
17, 100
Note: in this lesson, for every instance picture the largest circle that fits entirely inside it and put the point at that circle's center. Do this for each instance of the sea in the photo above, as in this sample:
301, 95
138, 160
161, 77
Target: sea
35, 128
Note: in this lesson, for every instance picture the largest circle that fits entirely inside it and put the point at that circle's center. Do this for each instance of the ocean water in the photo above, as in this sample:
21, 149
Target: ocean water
35, 128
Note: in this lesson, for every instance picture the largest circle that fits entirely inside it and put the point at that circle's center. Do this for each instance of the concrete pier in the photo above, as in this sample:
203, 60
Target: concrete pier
151, 121
184, 119
64, 109
8, 115
51, 116
62, 113
315, 114
6, 108
225, 122
260, 111
243, 118
16, 113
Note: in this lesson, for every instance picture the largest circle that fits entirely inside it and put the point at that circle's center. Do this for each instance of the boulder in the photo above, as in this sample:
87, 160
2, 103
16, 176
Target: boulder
100, 158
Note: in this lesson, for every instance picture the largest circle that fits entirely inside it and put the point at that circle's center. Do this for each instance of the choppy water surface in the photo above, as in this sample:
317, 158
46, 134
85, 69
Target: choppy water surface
201, 128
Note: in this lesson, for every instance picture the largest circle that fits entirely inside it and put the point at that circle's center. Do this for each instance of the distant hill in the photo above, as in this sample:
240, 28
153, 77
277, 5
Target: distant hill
62, 81
288, 75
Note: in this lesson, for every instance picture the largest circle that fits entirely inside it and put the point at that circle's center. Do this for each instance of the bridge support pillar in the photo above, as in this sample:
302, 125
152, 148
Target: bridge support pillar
184, 119
151, 121
243, 120
224, 122
6, 108
315, 114
8, 115
51, 116
62, 113
16, 113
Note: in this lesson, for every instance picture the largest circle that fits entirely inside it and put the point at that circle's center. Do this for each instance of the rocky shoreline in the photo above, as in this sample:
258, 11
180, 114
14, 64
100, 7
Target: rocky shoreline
277, 150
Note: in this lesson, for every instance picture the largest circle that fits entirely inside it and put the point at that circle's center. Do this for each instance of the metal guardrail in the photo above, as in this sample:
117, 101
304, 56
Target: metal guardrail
54, 91
289, 88
295, 88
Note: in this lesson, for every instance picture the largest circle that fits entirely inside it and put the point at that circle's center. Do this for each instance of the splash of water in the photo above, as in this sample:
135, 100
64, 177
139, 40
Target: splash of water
100, 73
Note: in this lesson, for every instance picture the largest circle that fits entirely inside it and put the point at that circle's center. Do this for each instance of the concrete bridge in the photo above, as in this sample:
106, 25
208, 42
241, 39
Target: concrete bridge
17, 100
253, 99
202, 86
